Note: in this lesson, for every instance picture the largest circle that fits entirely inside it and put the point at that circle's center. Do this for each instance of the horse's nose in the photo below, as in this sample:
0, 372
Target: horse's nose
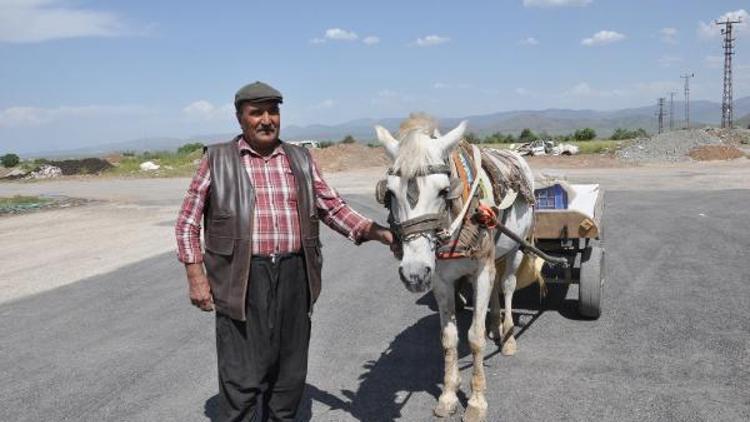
416, 279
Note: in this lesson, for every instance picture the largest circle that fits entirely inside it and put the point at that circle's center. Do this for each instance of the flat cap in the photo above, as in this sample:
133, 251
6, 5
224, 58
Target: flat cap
257, 92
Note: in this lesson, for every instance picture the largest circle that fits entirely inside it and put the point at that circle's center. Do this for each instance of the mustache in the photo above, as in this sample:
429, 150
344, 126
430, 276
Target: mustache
267, 127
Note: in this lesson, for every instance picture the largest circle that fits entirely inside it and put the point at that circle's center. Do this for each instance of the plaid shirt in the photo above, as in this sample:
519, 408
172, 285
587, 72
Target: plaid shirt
276, 225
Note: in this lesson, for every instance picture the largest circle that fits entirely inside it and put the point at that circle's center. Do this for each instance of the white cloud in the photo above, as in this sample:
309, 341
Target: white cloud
204, 110
656, 88
440, 85
603, 38
317, 41
339, 34
431, 40
18, 116
529, 41
583, 89
668, 61
43, 20
325, 104
388, 97
522, 92
711, 30
669, 35
555, 3
371, 40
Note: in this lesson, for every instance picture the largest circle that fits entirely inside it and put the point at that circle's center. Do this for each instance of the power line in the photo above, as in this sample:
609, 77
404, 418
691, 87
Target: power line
726, 100
660, 113
671, 110
687, 97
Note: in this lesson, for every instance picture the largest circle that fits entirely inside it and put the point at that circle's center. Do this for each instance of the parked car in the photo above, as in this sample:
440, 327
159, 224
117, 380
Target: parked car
545, 147
307, 143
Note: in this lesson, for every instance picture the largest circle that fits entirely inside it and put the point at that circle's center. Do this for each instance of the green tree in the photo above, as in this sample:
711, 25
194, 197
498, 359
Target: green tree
527, 136
621, 134
188, 148
585, 134
472, 138
10, 160
348, 139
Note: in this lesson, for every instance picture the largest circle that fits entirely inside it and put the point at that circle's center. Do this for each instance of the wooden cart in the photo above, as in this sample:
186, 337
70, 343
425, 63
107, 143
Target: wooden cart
576, 233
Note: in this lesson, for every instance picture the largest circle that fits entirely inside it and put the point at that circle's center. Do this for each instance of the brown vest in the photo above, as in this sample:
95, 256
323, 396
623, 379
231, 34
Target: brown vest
228, 217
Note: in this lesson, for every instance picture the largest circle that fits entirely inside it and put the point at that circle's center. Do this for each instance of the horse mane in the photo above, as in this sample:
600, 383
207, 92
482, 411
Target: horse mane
413, 152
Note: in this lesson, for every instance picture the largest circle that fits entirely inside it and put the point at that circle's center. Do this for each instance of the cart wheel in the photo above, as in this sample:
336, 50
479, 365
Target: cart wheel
590, 284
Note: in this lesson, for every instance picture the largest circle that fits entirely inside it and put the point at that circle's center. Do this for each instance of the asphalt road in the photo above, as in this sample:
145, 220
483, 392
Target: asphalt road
673, 342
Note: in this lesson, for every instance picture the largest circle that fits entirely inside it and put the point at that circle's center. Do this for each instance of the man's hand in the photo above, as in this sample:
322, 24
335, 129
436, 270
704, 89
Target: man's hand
199, 289
379, 233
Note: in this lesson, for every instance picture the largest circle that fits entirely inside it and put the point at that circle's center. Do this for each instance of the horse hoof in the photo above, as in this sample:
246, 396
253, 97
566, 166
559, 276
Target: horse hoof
475, 414
509, 348
444, 410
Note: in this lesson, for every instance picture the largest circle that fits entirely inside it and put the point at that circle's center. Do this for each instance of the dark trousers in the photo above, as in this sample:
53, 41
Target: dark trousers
266, 356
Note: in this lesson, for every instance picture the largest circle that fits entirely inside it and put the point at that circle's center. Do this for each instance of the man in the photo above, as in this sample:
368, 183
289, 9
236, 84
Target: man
261, 200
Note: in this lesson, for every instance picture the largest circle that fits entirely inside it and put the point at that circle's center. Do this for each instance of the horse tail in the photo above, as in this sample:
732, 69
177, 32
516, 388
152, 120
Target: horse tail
536, 264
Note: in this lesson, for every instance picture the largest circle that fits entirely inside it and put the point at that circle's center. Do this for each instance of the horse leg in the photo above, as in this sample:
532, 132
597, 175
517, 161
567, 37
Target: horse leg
445, 297
509, 346
494, 319
477, 408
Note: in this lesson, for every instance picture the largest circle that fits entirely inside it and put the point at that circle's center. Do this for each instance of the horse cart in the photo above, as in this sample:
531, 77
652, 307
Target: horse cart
572, 229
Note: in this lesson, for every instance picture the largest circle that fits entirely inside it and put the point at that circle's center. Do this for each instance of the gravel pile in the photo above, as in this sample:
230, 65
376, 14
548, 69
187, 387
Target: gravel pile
669, 146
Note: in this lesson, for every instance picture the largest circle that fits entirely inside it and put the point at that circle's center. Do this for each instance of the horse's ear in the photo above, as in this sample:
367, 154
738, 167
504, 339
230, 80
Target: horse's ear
389, 142
436, 133
450, 140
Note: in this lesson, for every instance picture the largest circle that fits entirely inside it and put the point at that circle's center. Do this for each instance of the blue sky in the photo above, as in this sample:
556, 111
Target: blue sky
85, 72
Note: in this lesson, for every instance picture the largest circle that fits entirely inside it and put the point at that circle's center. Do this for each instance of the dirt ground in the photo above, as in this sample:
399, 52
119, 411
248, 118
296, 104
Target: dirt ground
342, 157
715, 152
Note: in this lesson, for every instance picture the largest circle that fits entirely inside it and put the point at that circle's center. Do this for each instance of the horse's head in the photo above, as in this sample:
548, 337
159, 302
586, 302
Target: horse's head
416, 187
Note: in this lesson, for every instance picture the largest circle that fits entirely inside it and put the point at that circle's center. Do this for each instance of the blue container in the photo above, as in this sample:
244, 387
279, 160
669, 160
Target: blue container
551, 198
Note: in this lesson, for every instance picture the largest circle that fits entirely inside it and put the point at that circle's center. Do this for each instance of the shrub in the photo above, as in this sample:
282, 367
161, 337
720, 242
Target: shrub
326, 144
472, 138
10, 160
621, 134
188, 148
527, 136
349, 139
585, 134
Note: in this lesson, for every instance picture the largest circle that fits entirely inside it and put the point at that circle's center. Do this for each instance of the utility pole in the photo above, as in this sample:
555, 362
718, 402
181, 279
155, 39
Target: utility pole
660, 113
726, 100
671, 111
687, 97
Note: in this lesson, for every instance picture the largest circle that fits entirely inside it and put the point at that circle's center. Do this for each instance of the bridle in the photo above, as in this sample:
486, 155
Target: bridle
433, 226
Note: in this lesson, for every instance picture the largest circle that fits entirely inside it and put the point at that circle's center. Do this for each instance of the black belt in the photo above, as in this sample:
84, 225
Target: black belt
276, 257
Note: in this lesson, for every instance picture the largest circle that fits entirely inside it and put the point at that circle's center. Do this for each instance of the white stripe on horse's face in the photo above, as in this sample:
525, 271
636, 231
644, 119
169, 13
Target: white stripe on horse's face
418, 261
413, 152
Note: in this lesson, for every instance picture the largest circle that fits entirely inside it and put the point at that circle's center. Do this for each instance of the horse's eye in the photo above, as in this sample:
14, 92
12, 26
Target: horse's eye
444, 191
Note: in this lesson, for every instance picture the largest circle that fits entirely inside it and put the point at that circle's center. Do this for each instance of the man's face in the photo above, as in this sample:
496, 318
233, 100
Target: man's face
260, 122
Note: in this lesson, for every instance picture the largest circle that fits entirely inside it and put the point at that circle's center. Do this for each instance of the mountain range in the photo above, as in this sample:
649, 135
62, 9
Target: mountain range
552, 121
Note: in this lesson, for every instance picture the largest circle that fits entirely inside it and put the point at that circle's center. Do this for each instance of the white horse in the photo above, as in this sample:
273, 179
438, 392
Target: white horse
419, 157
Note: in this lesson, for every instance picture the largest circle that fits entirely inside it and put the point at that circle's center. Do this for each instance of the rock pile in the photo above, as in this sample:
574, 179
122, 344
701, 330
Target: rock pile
45, 171
669, 146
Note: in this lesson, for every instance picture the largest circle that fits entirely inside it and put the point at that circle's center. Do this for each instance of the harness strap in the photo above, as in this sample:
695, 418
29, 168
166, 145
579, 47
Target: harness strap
458, 221
416, 226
